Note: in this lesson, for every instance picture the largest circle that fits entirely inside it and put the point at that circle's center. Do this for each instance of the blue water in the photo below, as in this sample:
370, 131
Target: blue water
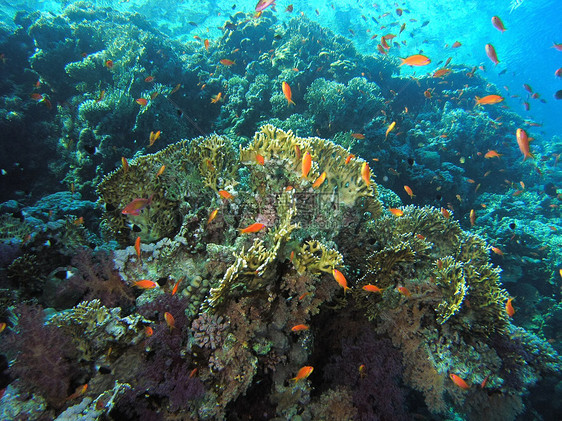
74, 111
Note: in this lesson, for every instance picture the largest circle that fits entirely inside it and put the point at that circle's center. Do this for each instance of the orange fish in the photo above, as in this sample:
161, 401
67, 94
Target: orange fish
489, 99
149, 79
176, 88
175, 288
226, 62
170, 321
509, 308
225, 195
137, 247
445, 213
255, 227
472, 217
456, 44
390, 128
349, 158
319, 180
148, 331
362, 370
441, 72
217, 98
404, 291
492, 154
358, 136
523, 142
153, 137
160, 171
109, 64
260, 159
396, 212
497, 251
306, 164
366, 173
298, 328
483, 384
79, 221
498, 24
212, 216
287, 92
372, 288
491, 53
458, 381
303, 373
2, 326
142, 102
145, 284
206, 43
136, 206
415, 60
340, 279
409, 191
80, 390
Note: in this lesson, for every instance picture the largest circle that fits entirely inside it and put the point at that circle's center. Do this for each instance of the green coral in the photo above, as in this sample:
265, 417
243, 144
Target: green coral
451, 280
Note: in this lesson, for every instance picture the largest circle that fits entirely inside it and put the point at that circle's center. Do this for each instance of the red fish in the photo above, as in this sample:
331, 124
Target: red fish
509, 308
149, 79
489, 99
145, 284
298, 328
255, 227
206, 43
137, 247
148, 331
458, 381
109, 64
136, 206
340, 279
287, 92
303, 373
523, 142
491, 53
498, 24
226, 62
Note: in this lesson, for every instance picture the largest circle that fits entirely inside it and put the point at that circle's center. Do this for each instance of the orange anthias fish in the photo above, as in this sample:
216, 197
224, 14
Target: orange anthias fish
441, 73
491, 53
80, 390
396, 212
142, 102
226, 62
137, 247
160, 171
212, 216
445, 213
492, 154
175, 288
489, 99
409, 191
217, 98
148, 331
366, 173
372, 288
298, 328
472, 217
349, 158
287, 92
319, 180
153, 137
136, 206
523, 142
306, 164
303, 373
255, 227
3, 326
509, 308
404, 291
206, 43
149, 79
459, 382
170, 321
225, 195
109, 64
359, 136
497, 251
145, 284
498, 24
260, 159
390, 128
415, 60
340, 279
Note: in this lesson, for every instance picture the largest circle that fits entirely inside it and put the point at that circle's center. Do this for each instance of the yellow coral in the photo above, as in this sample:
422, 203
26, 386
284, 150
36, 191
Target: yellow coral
316, 258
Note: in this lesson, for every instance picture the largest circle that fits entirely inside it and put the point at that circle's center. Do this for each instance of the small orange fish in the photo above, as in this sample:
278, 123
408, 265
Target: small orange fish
498, 24
225, 195
206, 44
456, 44
340, 279
226, 62
366, 173
136, 206
142, 102
319, 180
79, 221
358, 136
445, 213
2, 326
441, 73
349, 158
523, 141
409, 191
260, 159
497, 251
458, 381
170, 321
212, 216
404, 291
415, 60
145, 284
287, 92
491, 53
176, 285
138, 247
483, 384
148, 331
509, 308
80, 390
489, 99
306, 164
303, 373
176, 88
109, 64
298, 328
160, 171
125, 164
390, 128
255, 227
492, 154
362, 370
153, 137
472, 217
396, 211
149, 79
217, 98
372, 288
